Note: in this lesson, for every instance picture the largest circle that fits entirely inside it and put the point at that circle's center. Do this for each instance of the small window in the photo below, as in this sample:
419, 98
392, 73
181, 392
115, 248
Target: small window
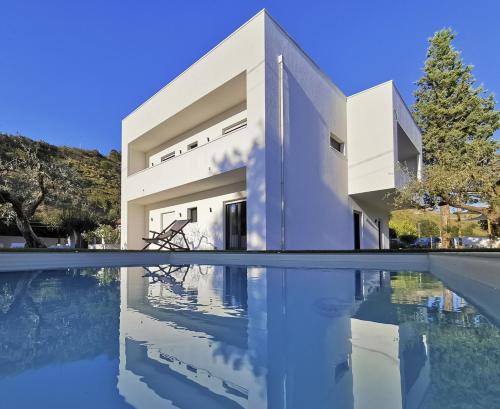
193, 145
336, 144
192, 214
167, 156
234, 127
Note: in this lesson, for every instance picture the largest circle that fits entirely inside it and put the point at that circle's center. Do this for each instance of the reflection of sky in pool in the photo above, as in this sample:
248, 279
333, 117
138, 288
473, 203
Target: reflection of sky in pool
242, 337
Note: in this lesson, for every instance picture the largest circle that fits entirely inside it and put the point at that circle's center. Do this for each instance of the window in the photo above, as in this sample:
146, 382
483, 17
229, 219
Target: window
192, 214
336, 144
193, 145
234, 127
167, 156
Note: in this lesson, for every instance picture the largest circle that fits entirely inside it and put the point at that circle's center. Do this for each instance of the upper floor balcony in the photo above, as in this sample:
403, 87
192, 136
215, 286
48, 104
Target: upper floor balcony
169, 146
219, 161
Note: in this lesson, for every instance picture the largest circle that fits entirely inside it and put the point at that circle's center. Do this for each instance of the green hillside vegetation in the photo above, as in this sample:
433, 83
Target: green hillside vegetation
97, 192
408, 223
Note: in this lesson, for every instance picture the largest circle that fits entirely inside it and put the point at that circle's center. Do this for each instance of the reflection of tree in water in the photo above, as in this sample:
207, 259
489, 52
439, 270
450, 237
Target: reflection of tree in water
465, 363
464, 347
57, 316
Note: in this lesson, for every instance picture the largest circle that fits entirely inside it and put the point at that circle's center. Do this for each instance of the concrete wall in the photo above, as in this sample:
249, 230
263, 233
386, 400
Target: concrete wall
370, 130
242, 53
207, 232
317, 210
321, 186
202, 134
370, 215
7, 241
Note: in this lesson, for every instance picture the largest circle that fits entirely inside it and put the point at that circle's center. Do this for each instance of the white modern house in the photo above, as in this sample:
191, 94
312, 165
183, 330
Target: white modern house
262, 151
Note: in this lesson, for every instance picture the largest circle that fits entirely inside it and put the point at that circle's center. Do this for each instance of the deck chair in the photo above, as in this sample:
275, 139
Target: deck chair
164, 239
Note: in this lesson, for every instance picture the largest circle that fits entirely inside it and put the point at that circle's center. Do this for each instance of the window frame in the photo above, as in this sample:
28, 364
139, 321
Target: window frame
338, 141
234, 127
167, 156
189, 214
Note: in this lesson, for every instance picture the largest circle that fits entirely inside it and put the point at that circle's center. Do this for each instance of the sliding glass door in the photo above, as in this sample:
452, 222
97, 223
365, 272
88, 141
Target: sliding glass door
236, 226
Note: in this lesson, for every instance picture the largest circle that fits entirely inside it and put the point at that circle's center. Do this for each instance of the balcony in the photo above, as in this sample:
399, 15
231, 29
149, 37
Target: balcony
217, 163
383, 144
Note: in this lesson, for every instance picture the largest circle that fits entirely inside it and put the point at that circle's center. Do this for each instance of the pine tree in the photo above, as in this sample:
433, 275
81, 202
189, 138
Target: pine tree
458, 121
451, 112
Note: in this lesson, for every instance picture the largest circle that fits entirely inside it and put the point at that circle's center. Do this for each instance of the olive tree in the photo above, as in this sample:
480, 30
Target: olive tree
30, 178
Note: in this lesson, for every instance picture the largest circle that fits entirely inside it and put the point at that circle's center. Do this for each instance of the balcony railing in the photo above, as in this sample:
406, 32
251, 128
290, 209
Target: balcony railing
189, 151
220, 155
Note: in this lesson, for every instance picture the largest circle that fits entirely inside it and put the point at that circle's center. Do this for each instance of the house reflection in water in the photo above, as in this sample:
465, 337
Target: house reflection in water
231, 337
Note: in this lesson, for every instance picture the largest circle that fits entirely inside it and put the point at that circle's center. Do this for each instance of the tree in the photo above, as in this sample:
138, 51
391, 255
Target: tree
457, 121
104, 233
28, 179
403, 227
75, 220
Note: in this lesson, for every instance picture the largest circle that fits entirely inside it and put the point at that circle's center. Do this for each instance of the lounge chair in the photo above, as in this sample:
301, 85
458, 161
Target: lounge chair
164, 239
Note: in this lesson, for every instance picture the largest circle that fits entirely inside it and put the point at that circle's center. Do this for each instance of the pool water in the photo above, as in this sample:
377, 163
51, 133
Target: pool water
242, 337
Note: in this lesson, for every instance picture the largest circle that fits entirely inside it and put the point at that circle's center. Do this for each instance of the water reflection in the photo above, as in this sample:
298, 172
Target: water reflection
242, 337
59, 339
288, 338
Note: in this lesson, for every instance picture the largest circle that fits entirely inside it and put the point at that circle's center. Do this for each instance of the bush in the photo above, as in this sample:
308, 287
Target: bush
104, 233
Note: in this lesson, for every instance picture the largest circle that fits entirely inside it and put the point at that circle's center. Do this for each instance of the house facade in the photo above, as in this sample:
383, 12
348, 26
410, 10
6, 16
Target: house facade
262, 151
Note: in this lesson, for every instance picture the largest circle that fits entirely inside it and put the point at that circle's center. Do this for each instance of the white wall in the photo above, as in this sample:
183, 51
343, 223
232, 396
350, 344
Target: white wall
317, 212
405, 120
208, 232
318, 180
369, 226
241, 52
370, 130
202, 134
7, 241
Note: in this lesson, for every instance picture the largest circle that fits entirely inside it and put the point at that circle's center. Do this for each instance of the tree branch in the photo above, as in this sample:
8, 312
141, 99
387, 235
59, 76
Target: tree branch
40, 198
475, 209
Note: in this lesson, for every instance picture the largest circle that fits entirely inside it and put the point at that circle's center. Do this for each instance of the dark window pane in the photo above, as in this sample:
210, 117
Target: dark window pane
336, 145
192, 214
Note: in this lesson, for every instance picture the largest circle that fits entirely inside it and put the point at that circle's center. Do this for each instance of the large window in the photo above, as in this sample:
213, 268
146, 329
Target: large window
337, 144
192, 214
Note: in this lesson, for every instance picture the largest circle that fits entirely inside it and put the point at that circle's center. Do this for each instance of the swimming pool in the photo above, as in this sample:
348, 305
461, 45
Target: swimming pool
224, 336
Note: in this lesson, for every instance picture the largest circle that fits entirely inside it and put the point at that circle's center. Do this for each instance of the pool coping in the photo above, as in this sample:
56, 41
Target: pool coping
415, 259
474, 272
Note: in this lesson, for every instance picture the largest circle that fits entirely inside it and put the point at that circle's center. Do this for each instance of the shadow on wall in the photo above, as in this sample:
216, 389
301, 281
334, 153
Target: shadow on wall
255, 195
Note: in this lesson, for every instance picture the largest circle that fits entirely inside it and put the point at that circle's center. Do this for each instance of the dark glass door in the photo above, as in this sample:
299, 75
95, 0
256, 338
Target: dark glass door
379, 225
357, 230
236, 226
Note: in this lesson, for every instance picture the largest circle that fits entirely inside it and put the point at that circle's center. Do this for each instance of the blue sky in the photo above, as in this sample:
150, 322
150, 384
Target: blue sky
71, 70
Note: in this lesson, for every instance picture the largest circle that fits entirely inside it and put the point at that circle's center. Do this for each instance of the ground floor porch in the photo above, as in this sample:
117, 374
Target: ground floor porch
227, 213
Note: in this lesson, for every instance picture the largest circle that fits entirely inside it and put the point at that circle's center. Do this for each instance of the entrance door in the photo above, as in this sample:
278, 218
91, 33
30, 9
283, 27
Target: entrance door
357, 230
236, 226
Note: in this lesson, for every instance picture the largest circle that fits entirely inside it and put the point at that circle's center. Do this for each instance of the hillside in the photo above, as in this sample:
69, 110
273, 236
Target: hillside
408, 222
99, 175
